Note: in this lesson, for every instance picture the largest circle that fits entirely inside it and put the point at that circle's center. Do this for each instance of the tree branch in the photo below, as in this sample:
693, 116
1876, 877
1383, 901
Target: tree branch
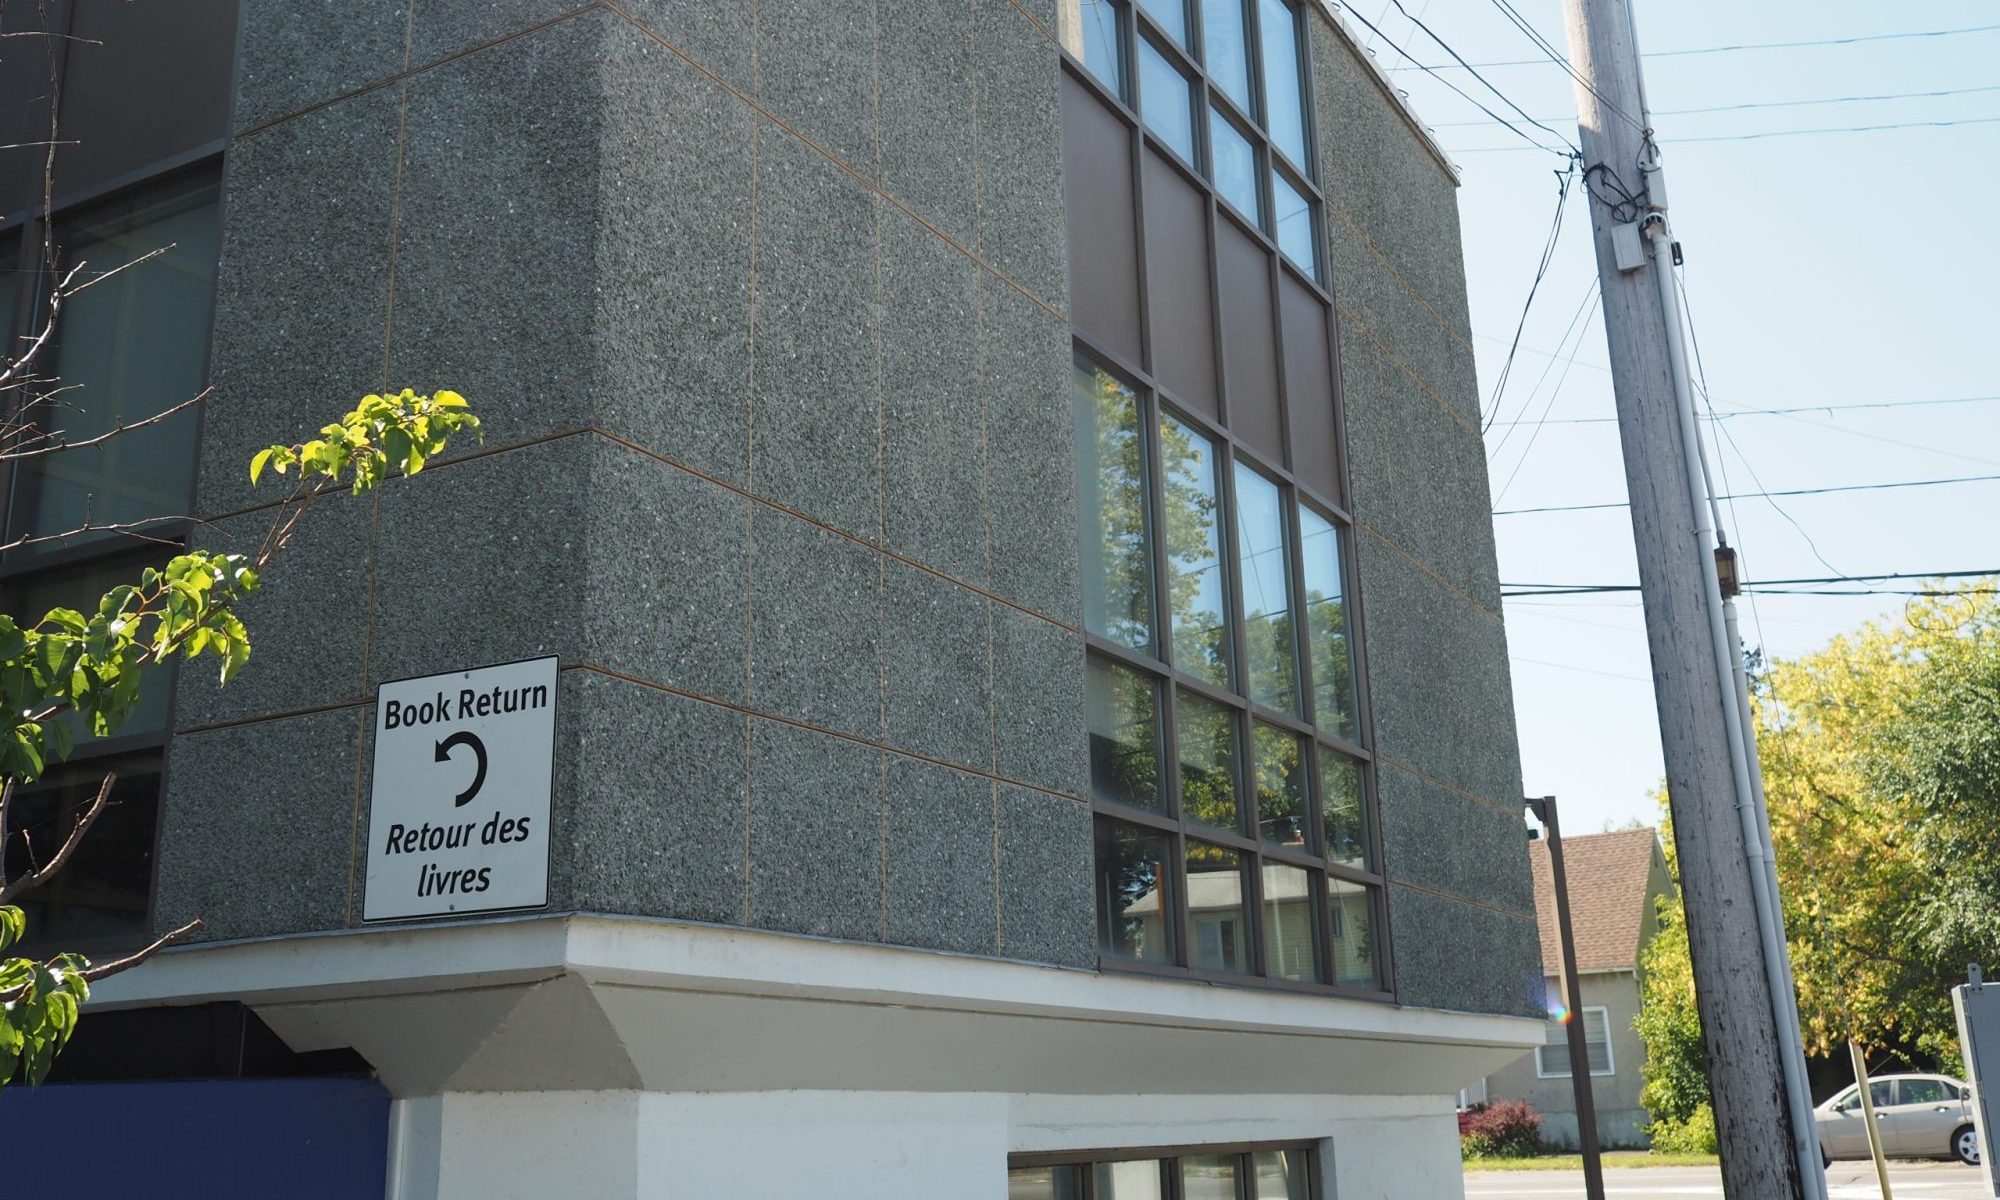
101, 970
130, 528
30, 882
59, 446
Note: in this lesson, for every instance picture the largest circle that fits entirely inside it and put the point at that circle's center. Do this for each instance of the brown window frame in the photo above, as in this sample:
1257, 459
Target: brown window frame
1155, 661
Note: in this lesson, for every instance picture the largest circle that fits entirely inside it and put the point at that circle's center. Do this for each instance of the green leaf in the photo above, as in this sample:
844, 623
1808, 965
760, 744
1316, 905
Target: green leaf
13, 927
258, 461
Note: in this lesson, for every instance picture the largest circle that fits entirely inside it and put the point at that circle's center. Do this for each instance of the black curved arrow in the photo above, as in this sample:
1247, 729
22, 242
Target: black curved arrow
465, 737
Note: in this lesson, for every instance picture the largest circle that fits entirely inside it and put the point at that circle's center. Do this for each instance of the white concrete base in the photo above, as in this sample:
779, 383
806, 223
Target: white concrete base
816, 1145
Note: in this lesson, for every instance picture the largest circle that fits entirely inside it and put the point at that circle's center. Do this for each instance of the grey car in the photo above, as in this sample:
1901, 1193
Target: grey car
1920, 1116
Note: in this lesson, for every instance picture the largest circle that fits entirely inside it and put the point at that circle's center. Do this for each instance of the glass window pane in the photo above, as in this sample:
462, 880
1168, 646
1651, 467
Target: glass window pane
1045, 1183
1350, 911
1195, 585
1294, 225
1206, 742
1124, 736
1209, 1177
1166, 100
1226, 49
1235, 165
1218, 927
1921, 1091
1326, 625
1284, 103
1097, 43
1117, 535
1272, 661
101, 894
132, 347
1134, 909
1281, 1175
1281, 785
1171, 16
1341, 811
1138, 1180
1289, 946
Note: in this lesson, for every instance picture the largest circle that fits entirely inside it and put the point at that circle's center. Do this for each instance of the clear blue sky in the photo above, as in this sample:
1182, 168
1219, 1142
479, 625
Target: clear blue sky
1842, 268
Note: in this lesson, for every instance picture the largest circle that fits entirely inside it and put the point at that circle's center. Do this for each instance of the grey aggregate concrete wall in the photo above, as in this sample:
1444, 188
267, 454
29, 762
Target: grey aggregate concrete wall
764, 307
1461, 908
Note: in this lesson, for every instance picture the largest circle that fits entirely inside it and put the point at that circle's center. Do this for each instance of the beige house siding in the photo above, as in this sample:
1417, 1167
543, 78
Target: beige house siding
1620, 1118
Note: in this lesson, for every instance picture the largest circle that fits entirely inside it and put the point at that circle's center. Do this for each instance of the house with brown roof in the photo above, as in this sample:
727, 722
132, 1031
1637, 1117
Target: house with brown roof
1614, 881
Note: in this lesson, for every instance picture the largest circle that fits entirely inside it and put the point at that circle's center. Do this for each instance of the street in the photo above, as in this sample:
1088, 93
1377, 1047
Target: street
1846, 1180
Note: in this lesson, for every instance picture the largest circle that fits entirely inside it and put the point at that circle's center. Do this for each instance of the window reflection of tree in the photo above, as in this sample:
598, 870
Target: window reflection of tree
1194, 553
1116, 460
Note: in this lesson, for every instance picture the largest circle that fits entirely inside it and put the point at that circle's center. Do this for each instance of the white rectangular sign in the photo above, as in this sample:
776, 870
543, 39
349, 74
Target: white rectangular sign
458, 821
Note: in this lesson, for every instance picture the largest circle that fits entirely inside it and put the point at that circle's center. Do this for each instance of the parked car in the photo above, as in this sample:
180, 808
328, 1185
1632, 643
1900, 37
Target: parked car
1920, 1116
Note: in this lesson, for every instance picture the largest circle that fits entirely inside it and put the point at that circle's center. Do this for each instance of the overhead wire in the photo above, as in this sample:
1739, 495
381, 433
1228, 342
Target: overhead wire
1485, 82
1776, 133
1747, 46
1535, 435
1832, 489
1556, 56
1768, 586
1763, 104
1564, 178
1746, 410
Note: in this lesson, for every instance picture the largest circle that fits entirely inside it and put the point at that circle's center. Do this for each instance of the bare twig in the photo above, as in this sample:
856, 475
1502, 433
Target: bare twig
128, 528
6, 798
94, 280
81, 826
59, 446
101, 970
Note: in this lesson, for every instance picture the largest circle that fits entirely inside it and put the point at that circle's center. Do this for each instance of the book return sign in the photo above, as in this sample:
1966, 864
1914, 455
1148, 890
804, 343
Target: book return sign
458, 819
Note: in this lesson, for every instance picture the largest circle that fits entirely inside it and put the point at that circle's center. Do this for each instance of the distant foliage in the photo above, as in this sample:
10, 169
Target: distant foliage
1676, 1067
1503, 1129
1693, 1134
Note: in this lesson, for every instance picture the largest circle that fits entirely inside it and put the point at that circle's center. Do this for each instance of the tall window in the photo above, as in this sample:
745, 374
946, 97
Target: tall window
1230, 767
1265, 1173
127, 348
1552, 1059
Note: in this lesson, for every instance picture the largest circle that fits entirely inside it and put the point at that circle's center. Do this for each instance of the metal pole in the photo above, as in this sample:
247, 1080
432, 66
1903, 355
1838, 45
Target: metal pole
1699, 732
1868, 1115
1579, 1044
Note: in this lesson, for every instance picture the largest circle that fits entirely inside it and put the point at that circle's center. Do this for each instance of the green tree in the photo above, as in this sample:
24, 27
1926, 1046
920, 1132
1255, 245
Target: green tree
73, 669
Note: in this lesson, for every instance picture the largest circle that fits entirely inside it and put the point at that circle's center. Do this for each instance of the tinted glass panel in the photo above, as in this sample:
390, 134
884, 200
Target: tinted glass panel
1351, 929
1045, 1183
132, 347
1218, 927
1177, 285
1920, 1091
1281, 785
1102, 50
1235, 166
1326, 625
1194, 553
1117, 546
1272, 662
1209, 1177
1208, 757
1171, 15
1166, 101
1294, 221
1225, 49
1289, 946
1127, 1181
99, 898
1341, 811
1284, 105
1134, 909
1281, 1175
1124, 736
1103, 237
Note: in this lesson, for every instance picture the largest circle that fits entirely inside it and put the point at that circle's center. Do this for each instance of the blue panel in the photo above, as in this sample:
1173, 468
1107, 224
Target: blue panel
303, 1139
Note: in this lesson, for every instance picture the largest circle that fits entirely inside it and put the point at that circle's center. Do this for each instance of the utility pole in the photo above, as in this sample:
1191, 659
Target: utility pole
1722, 852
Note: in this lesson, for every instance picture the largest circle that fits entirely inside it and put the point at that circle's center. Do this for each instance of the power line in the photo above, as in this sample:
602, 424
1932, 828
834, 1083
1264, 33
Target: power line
1557, 57
1751, 411
1523, 134
1810, 491
1763, 104
1487, 83
1564, 178
1765, 586
1595, 297
1742, 46
1776, 133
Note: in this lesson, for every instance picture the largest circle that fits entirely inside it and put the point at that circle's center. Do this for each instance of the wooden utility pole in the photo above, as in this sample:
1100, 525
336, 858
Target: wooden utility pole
1682, 609
1544, 808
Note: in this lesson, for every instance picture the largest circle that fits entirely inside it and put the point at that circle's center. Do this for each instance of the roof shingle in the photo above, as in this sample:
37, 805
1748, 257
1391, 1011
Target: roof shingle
1609, 875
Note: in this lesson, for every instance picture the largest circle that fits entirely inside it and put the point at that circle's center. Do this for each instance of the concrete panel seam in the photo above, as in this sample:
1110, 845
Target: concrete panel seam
1036, 22
265, 718
1347, 317
404, 75
1427, 569
1465, 900
1368, 243
781, 719
872, 185
1461, 793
